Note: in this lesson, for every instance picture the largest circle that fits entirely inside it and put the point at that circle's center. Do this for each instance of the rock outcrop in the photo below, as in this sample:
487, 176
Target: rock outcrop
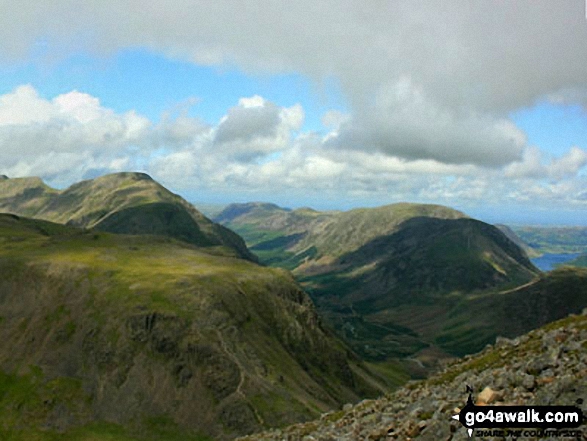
548, 366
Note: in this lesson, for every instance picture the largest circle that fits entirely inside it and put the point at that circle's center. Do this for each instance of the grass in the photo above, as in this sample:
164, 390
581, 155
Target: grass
103, 431
497, 357
105, 285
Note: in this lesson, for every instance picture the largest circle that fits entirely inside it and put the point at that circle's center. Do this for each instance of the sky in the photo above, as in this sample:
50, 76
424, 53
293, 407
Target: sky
478, 105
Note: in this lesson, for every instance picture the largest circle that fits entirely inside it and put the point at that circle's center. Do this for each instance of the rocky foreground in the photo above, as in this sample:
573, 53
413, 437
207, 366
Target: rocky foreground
545, 367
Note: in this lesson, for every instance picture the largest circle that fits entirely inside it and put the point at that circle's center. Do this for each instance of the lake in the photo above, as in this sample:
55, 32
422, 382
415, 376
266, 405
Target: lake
547, 262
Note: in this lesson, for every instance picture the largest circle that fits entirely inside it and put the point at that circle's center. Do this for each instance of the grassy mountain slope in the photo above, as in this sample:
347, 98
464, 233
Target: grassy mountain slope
130, 203
511, 235
409, 282
108, 336
407, 294
307, 240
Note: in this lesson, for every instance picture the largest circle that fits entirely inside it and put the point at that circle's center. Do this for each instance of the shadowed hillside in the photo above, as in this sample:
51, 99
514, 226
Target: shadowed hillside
406, 281
545, 367
140, 337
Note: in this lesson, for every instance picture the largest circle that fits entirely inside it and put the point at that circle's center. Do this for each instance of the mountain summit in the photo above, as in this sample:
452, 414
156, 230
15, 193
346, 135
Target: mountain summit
126, 203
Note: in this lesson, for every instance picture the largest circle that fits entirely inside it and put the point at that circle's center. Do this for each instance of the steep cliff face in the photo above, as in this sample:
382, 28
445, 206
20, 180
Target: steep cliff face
144, 332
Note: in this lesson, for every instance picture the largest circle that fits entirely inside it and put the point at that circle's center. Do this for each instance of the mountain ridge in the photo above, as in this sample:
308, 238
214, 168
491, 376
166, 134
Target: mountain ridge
428, 283
118, 203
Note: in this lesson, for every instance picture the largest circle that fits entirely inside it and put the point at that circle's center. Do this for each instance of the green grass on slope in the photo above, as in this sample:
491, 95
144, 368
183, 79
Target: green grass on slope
478, 320
330, 233
31, 397
497, 357
25, 400
99, 288
126, 203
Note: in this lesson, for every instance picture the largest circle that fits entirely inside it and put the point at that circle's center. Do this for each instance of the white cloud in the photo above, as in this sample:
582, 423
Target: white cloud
261, 151
256, 127
535, 165
24, 106
405, 123
468, 67
569, 164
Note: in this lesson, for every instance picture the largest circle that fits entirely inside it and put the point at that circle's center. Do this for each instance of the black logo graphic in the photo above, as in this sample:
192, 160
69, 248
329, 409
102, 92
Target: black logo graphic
517, 417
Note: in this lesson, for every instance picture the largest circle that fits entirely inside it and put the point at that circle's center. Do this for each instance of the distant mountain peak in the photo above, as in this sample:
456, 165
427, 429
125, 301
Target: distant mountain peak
237, 210
138, 176
125, 203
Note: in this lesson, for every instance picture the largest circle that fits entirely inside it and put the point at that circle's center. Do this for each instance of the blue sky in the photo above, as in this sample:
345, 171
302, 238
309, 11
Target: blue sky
152, 84
331, 105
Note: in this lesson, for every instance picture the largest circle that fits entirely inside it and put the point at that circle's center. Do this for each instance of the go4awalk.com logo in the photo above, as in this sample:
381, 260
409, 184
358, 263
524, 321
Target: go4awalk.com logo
518, 421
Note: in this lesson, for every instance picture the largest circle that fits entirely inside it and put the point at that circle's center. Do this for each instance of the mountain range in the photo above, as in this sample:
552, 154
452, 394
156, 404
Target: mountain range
125, 313
129, 203
407, 281
156, 335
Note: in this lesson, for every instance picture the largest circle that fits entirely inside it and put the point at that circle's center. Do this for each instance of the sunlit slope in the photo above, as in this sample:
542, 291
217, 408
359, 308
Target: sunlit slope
138, 335
307, 240
416, 282
128, 203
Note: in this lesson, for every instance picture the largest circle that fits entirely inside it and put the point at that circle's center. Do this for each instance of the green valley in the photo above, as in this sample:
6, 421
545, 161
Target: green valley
409, 283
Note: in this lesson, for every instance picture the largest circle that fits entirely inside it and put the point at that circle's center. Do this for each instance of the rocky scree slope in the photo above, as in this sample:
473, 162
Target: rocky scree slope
143, 335
126, 203
547, 366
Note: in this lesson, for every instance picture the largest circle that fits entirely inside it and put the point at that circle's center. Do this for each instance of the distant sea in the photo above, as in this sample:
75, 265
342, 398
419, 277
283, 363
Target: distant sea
547, 262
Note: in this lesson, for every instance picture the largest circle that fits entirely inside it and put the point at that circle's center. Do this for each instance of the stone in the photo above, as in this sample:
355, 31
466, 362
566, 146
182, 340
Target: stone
528, 382
487, 396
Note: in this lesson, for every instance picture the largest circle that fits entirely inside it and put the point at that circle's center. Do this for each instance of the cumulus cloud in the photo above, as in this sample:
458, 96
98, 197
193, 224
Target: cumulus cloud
535, 165
405, 123
256, 127
70, 112
258, 148
467, 65
64, 137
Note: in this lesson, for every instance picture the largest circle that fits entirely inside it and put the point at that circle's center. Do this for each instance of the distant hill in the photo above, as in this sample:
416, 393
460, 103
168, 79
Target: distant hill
553, 239
407, 281
290, 238
106, 336
129, 203
580, 261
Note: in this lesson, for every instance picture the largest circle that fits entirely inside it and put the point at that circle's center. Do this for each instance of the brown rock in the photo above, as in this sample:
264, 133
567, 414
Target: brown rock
545, 380
487, 396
